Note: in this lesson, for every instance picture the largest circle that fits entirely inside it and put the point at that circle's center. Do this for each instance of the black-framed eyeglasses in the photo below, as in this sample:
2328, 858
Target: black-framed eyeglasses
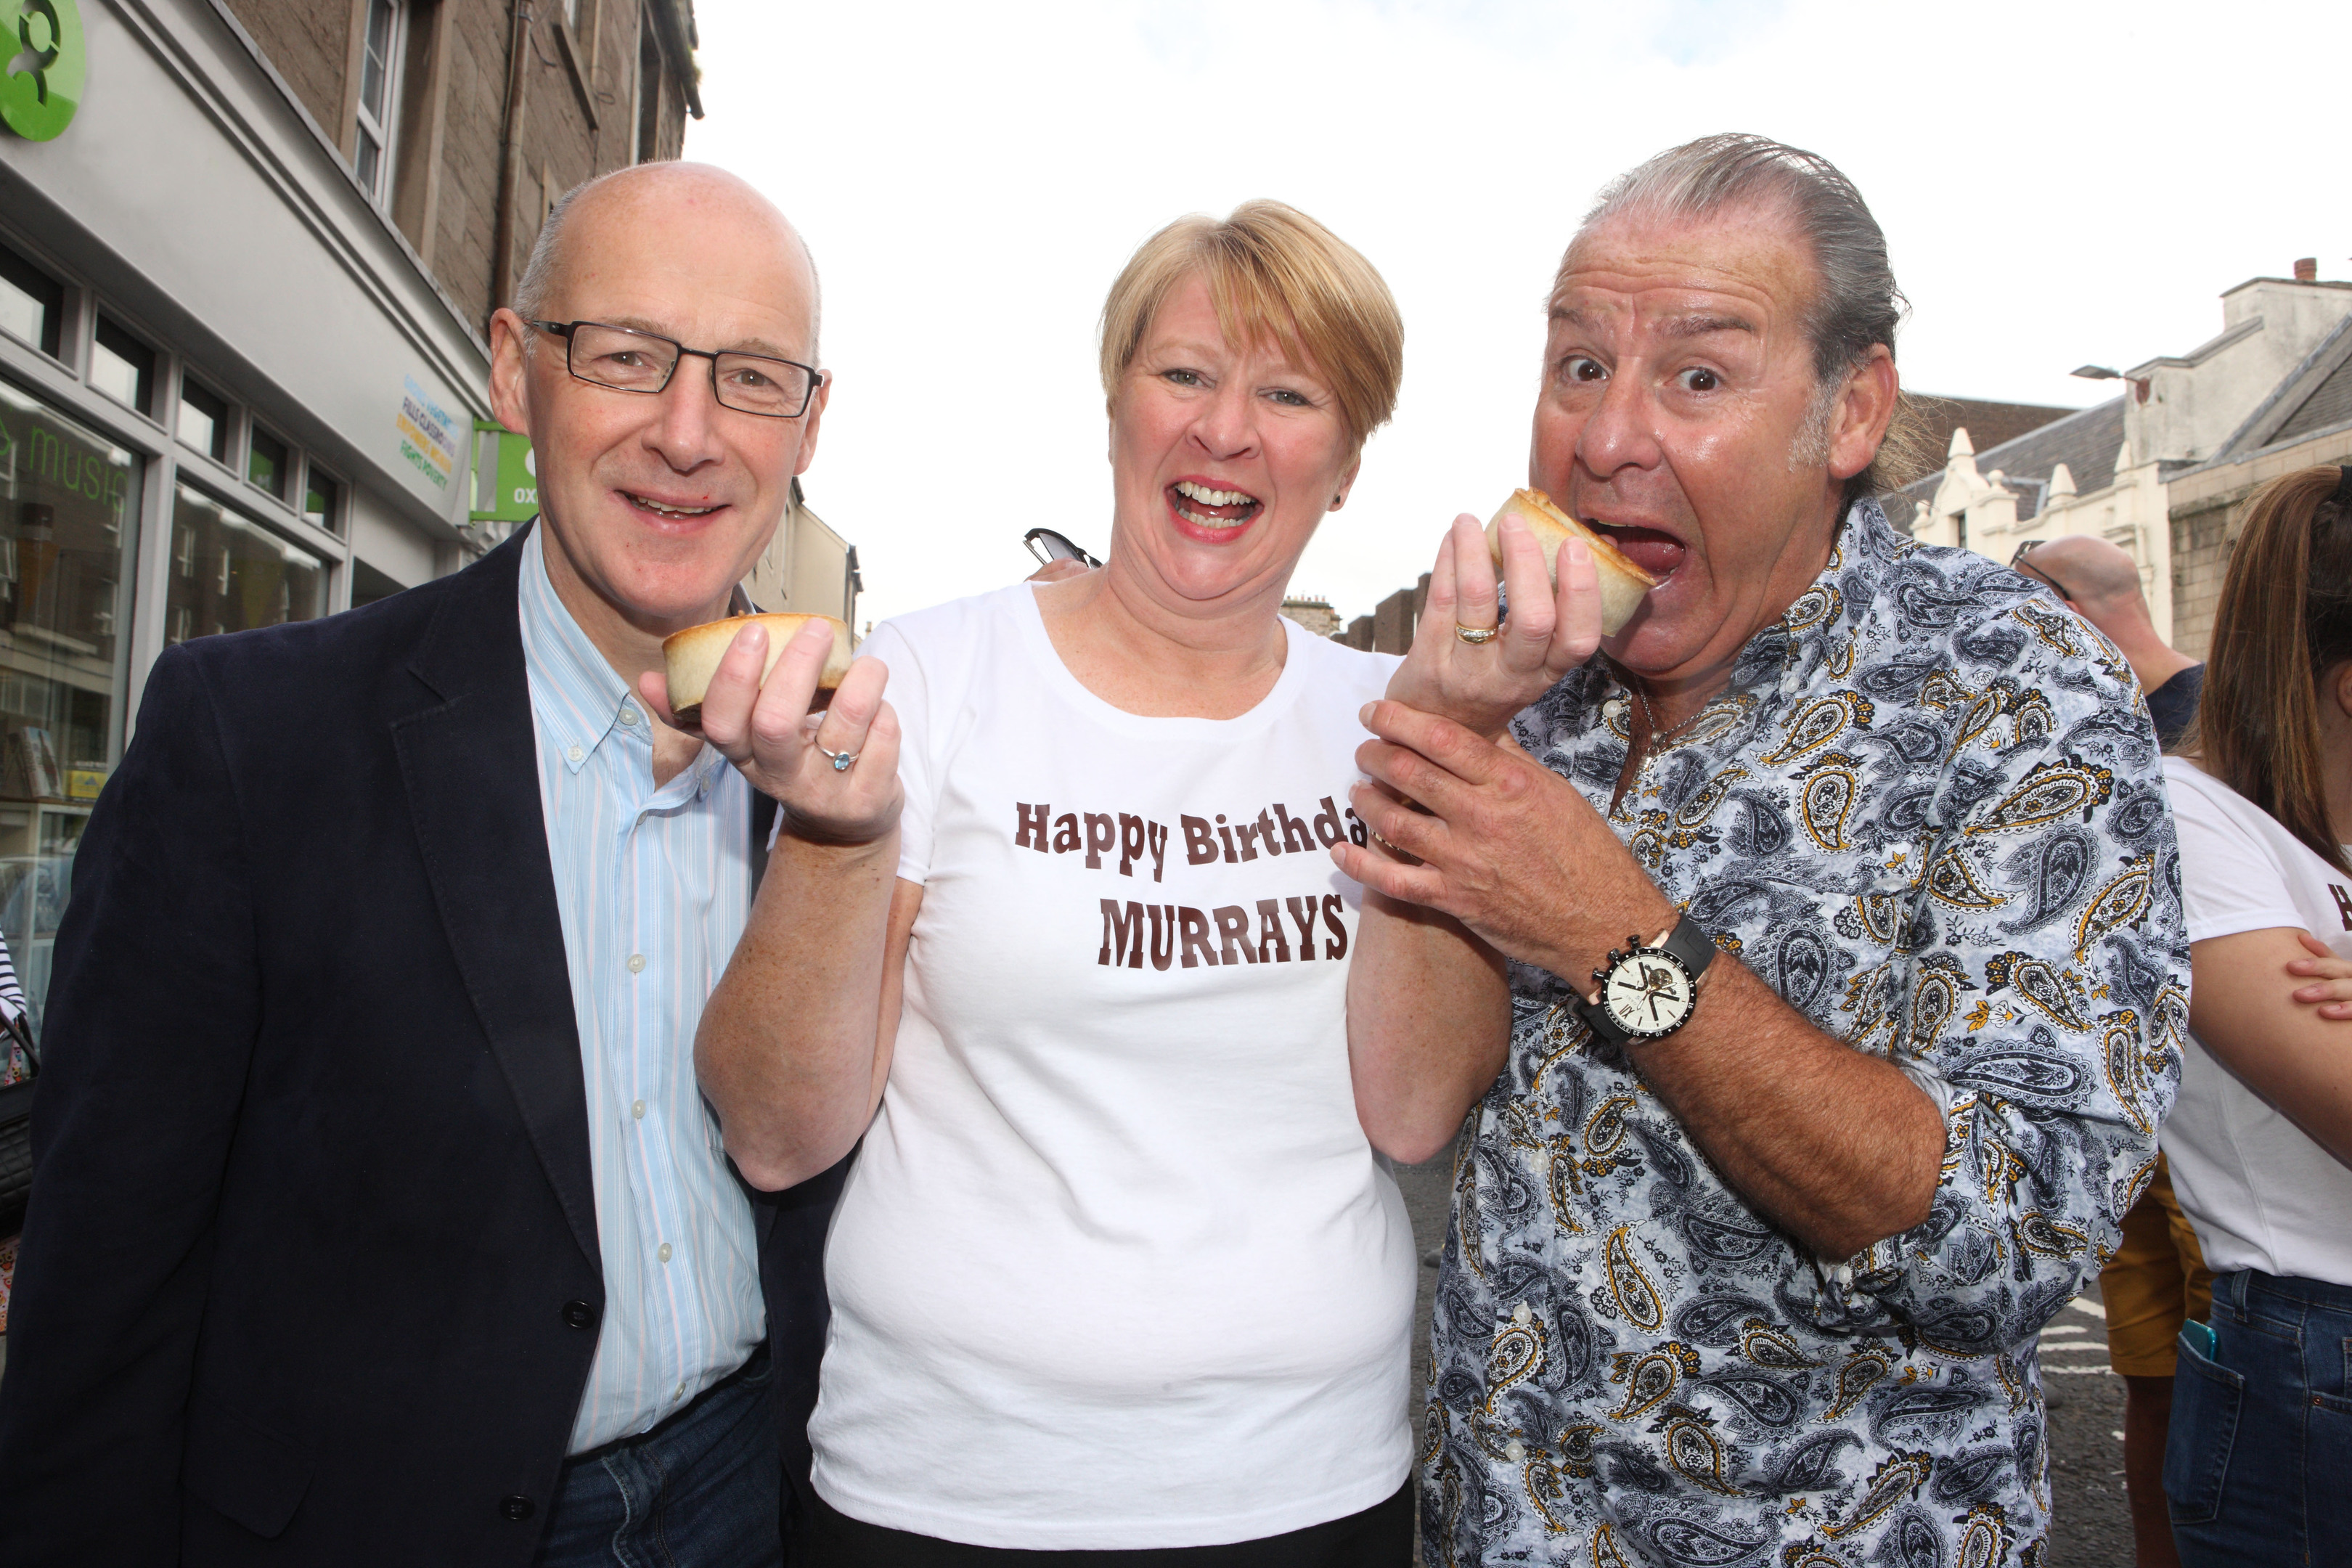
626, 360
2017, 559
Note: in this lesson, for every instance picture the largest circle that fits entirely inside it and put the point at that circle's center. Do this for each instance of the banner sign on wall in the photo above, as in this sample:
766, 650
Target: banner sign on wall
506, 475
428, 435
37, 101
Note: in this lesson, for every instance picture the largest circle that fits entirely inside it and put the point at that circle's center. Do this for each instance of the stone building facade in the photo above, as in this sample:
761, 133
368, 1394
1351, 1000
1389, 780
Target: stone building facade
2162, 469
417, 96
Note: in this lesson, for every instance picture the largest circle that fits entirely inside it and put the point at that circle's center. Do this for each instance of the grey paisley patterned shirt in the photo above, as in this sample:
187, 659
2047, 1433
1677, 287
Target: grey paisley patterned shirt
1928, 810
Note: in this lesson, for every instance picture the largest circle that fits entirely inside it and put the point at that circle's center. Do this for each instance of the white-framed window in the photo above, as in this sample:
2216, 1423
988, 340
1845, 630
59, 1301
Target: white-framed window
379, 96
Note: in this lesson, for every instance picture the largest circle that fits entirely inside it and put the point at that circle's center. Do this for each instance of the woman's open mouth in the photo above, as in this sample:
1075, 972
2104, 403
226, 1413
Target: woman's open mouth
1207, 512
1654, 550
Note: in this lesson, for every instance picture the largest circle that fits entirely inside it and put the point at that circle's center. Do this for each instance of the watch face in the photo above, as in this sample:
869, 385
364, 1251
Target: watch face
1649, 992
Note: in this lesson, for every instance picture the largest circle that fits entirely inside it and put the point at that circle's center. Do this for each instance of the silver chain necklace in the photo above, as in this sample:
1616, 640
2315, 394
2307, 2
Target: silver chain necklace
1658, 738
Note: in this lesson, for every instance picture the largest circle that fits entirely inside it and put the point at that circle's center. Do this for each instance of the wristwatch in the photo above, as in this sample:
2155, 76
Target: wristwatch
1646, 993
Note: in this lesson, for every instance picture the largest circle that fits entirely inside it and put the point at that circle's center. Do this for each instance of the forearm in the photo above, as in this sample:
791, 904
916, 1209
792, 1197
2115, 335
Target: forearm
2297, 1062
788, 1049
1429, 1021
1837, 1147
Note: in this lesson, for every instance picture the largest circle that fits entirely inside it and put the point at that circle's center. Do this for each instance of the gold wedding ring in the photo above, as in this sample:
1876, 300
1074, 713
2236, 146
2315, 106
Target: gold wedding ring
1476, 636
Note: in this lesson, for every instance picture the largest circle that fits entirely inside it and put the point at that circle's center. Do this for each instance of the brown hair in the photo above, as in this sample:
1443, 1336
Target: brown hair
1275, 276
2283, 622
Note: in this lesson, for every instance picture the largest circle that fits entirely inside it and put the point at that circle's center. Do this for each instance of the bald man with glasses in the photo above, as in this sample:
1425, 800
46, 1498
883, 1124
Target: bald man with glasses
377, 1216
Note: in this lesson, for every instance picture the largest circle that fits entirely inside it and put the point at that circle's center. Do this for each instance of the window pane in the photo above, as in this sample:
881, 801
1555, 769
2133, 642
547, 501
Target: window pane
265, 465
323, 501
122, 367
69, 526
368, 585
32, 303
367, 159
377, 64
231, 574
204, 421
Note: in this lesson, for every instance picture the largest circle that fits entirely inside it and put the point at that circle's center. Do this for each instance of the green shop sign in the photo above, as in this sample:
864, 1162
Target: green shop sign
37, 101
506, 480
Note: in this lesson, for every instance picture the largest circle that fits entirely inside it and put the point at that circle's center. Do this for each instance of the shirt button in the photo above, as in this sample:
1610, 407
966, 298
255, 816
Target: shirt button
663, 1253
628, 714
637, 964
575, 754
637, 1109
680, 1393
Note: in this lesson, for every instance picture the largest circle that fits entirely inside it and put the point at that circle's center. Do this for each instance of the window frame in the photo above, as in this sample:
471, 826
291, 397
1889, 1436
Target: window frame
379, 126
53, 325
104, 321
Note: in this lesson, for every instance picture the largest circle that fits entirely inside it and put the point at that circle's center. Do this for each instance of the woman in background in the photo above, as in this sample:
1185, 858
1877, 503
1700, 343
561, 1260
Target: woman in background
2258, 1466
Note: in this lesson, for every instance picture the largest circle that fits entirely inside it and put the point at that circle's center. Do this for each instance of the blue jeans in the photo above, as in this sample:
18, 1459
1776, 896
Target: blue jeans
2258, 1464
703, 1489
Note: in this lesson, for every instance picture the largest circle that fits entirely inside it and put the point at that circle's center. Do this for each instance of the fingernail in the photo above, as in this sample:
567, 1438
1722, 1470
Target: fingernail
1365, 718
1578, 551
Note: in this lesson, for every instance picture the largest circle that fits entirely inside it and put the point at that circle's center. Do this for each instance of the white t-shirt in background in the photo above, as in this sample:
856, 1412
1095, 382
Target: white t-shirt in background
1116, 1267
2261, 1194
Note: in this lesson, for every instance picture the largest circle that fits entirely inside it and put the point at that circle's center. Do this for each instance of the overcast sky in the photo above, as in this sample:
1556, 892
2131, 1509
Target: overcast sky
2059, 182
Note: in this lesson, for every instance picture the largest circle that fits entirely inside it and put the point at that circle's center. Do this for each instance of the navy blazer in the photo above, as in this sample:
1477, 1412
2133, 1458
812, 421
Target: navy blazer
312, 1226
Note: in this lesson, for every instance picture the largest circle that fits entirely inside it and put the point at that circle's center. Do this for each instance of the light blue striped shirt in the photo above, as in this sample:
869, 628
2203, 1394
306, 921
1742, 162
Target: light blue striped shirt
654, 886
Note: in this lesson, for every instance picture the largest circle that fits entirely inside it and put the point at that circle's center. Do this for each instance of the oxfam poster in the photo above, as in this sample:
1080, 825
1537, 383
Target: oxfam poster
42, 57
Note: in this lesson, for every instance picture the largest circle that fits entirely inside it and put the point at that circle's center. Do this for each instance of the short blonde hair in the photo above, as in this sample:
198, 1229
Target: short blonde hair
1275, 276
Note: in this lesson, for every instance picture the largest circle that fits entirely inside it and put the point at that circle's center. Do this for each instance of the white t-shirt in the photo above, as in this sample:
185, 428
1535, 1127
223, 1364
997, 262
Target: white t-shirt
2261, 1194
1116, 1267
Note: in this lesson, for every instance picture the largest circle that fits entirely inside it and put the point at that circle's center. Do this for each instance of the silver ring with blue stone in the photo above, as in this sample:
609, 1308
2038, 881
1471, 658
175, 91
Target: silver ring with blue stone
840, 759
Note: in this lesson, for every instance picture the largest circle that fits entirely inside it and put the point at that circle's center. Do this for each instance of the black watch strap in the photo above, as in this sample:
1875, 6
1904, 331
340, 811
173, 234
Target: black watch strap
1689, 942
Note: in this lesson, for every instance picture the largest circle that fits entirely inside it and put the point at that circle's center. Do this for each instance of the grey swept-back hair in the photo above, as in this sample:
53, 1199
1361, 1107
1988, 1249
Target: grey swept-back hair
538, 273
1856, 305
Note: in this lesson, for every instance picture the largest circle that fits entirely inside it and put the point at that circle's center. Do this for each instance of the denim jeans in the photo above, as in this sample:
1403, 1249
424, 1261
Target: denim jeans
703, 1489
2258, 1466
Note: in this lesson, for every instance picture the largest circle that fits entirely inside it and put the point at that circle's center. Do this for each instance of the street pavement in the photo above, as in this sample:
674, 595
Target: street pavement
2090, 1521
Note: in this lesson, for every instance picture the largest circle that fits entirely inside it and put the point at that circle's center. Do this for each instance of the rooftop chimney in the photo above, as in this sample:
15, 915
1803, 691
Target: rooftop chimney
2307, 269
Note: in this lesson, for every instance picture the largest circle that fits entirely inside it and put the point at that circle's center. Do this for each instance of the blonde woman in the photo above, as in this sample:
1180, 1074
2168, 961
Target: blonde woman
1119, 1264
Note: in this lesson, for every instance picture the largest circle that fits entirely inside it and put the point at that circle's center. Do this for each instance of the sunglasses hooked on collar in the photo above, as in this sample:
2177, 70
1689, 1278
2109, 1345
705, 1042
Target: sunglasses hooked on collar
2017, 562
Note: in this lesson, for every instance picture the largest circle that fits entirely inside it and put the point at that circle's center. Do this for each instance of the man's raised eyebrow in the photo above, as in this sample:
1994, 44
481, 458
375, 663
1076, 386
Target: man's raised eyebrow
1701, 326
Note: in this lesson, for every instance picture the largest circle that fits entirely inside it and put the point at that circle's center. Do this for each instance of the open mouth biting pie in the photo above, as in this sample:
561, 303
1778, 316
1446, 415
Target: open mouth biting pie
1205, 505
1624, 577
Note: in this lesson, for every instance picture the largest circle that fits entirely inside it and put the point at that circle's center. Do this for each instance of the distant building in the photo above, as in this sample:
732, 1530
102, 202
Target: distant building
808, 568
1315, 614
1391, 626
1988, 423
2161, 469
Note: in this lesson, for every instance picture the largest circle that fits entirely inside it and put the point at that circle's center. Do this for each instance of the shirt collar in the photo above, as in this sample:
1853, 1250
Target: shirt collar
579, 696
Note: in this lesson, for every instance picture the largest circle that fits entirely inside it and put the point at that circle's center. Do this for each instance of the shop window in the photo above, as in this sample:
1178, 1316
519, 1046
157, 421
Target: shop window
69, 527
323, 501
122, 367
204, 421
372, 146
266, 463
368, 585
32, 303
229, 573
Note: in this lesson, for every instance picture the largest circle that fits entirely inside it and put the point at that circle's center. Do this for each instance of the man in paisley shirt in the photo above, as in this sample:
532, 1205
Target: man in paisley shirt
1764, 1289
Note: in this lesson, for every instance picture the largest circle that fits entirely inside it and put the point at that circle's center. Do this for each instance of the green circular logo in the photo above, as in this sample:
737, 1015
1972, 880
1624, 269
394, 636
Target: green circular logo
42, 57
